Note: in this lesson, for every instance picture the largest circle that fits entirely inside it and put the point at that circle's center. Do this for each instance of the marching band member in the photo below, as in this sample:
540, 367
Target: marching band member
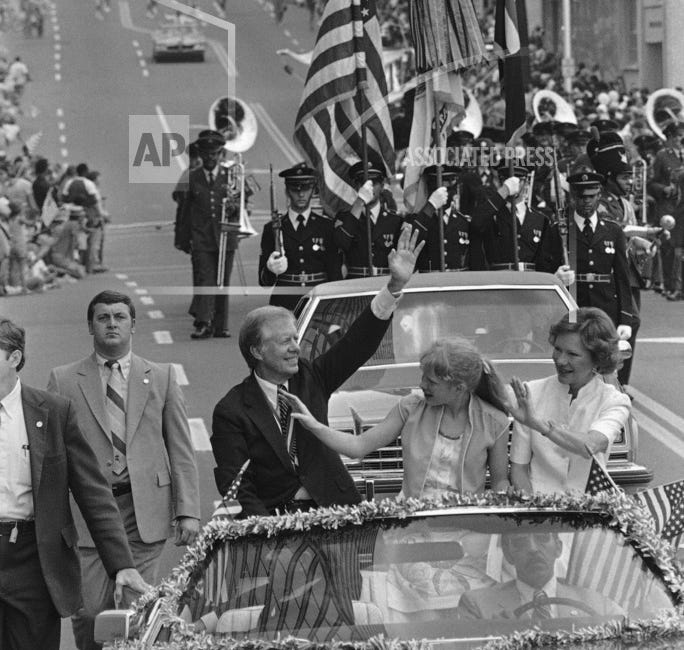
308, 255
350, 226
456, 223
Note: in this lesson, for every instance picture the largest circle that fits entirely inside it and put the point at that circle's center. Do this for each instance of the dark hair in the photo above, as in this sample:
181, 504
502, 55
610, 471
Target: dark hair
251, 331
109, 297
93, 175
597, 334
41, 166
82, 169
12, 337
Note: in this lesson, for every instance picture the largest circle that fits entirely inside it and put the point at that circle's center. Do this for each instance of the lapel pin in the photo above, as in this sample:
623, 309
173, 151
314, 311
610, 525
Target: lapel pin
39, 424
146, 381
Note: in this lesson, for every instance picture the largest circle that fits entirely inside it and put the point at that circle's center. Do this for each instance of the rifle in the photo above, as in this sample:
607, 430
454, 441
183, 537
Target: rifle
276, 219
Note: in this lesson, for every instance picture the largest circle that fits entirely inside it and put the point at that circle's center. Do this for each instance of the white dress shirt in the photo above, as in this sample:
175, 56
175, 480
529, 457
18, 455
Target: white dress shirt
16, 493
125, 368
593, 220
292, 215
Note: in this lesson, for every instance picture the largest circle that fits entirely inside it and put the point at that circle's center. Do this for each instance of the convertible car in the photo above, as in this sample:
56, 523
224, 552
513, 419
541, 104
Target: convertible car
506, 314
502, 571
178, 40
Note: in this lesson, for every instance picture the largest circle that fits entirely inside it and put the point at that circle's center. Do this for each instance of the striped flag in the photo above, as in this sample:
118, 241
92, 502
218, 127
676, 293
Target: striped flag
665, 503
599, 480
599, 563
345, 88
511, 45
229, 506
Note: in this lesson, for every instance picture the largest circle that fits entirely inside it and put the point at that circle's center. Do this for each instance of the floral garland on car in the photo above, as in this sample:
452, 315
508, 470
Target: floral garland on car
626, 514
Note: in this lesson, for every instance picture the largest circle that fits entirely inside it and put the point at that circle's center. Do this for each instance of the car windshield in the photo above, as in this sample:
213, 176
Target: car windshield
444, 576
511, 323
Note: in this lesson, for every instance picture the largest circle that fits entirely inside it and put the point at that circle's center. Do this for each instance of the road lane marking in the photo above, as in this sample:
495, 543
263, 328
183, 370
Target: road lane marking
62, 139
145, 73
141, 292
147, 300
663, 339
58, 77
155, 314
136, 44
669, 439
278, 136
65, 153
167, 129
60, 112
181, 377
200, 435
660, 411
223, 58
131, 283
127, 21
162, 337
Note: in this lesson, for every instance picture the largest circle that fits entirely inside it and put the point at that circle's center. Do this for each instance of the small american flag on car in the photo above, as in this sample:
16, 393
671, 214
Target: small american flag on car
229, 506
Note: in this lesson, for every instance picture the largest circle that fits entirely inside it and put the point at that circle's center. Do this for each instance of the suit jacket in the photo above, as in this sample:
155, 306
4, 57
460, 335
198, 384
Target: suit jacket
200, 219
501, 600
63, 461
159, 451
244, 426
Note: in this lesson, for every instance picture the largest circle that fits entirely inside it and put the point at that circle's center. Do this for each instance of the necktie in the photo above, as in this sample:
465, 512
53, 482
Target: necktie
116, 414
586, 229
541, 608
300, 224
211, 178
284, 410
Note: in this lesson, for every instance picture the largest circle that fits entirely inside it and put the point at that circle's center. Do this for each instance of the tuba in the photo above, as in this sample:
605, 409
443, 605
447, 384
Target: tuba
663, 106
236, 121
550, 106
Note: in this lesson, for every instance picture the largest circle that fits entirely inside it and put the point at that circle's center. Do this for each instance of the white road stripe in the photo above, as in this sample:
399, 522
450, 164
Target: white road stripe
673, 420
62, 139
664, 339
145, 72
223, 58
65, 153
162, 337
147, 300
200, 436
278, 136
121, 276
181, 377
141, 292
58, 56
60, 112
135, 44
127, 21
670, 440
287, 33
165, 126
155, 314
139, 53
57, 37
61, 126
131, 283
58, 77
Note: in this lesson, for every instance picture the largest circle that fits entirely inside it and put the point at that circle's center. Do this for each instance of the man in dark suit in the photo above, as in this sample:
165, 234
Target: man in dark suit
143, 444
44, 457
200, 225
351, 226
290, 468
602, 272
535, 593
301, 252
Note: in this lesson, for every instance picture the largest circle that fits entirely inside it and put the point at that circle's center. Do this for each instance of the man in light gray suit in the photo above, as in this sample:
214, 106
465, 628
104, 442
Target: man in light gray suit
133, 415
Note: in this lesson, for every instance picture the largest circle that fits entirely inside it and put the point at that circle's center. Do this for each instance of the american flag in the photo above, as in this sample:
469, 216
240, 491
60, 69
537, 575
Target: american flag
601, 563
229, 506
345, 89
599, 480
666, 505
511, 44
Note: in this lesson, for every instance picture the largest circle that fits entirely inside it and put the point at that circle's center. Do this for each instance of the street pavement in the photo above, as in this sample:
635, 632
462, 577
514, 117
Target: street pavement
89, 76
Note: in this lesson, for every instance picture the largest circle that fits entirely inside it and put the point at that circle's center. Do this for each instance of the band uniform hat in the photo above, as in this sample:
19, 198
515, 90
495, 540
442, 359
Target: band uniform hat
605, 126
608, 154
672, 127
585, 180
209, 141
503, 168
647, 142
544, 128
460, 138
579, 137
566, 129
376, 170
449, 173
299, 177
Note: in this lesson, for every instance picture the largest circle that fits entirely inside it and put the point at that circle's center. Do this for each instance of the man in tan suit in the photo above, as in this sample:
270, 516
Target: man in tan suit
133, 414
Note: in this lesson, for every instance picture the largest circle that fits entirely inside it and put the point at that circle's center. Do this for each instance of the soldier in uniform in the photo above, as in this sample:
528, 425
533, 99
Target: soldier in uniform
575, 155
465, 155
667, 173
602, 269
456, 224
309, 254
351, 226
491, 231
202, 210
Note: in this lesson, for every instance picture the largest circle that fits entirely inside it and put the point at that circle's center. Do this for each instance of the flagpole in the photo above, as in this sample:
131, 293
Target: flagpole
511, 207
438, 160
366, 208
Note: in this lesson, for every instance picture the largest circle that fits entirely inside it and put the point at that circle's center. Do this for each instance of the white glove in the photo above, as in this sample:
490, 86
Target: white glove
566, 275
624, 332
439, 197
512, 184
365, 192
277, 263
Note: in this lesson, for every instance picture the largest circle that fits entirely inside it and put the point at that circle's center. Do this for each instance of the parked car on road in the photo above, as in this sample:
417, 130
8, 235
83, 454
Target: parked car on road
506, 314
179, 40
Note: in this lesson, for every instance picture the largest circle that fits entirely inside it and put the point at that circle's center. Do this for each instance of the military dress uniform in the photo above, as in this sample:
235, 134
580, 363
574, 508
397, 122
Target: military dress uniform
201, 222
456, 239
351, 239
491, 237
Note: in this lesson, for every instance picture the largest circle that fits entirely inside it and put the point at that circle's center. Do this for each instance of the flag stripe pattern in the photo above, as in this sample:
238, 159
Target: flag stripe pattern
665, 503
599, 480
345, 88
598, 564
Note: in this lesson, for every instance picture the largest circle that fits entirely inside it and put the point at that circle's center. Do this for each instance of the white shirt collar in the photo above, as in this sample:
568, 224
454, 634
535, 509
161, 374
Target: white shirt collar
293, 216
270, 390
124, 363
11, 403
527, 592
593, 220
521, 211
